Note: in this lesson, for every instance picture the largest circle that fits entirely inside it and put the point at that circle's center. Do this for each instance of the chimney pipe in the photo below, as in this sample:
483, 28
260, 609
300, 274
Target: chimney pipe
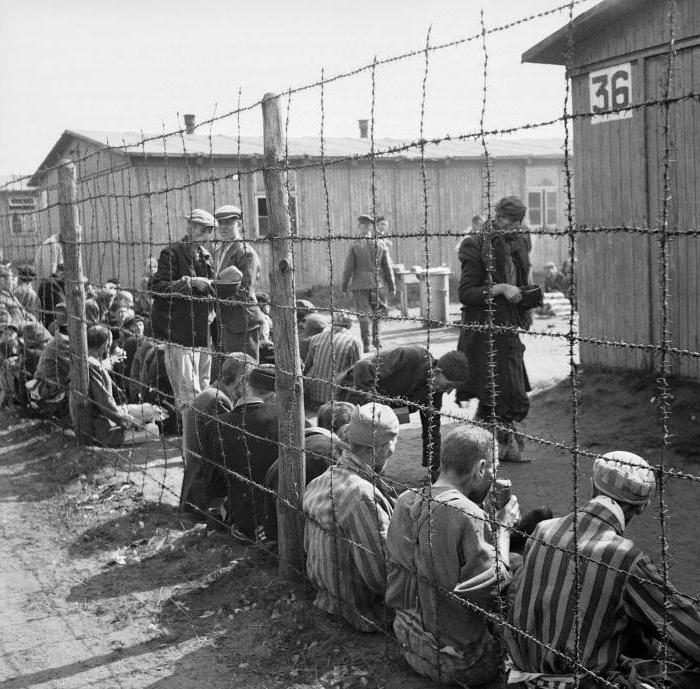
364, 128
189, 123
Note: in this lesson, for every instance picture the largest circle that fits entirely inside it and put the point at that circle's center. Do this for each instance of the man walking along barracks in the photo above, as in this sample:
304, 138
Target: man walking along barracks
367, 265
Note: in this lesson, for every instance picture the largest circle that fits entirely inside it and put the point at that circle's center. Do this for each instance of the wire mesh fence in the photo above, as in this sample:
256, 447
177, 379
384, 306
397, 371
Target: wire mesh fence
166, 262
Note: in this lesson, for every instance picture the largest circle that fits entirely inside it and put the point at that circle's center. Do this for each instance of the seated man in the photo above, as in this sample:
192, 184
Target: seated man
243, 443
323, 448
620, 596
404, 374
10, 349
441, 546
52, 375
108, 420
348, 509
218, 398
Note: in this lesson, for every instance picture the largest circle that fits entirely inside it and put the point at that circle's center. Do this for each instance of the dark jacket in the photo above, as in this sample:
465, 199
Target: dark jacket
180, 311
238, 310
508, 388
245, 443
401, 372
474, 257
199, 472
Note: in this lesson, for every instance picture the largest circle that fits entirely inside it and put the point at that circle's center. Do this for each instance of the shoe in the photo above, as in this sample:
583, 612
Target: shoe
510, 447
239, 536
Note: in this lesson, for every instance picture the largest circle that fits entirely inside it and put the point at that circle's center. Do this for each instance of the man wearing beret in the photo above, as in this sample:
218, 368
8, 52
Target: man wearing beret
408, 376
495, 265
243, 444
242, 318
348, 509
624, 604
367, 266
182, 308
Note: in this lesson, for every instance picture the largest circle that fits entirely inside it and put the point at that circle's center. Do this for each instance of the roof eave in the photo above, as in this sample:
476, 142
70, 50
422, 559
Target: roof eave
554, 49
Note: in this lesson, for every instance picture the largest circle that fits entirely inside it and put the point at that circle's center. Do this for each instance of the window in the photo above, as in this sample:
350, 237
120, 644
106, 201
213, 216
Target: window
542, 207
261, 210
22, 219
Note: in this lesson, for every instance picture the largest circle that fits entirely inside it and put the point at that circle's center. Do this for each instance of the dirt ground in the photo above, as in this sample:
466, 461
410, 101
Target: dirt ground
105, 584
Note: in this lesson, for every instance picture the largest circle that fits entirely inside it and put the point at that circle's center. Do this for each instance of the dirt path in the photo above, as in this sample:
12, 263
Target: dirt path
104, 585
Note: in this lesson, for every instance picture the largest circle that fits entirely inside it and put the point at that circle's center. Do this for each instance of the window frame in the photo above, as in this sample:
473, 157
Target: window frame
261, 195
545, 209
22, 213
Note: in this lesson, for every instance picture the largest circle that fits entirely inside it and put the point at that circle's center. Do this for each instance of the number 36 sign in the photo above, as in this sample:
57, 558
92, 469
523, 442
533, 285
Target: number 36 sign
611, 89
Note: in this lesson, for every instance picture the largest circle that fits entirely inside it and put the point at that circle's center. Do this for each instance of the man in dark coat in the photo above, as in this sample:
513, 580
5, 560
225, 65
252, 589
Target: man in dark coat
402, 377
497, 259
215, 400
244, 443
183, 308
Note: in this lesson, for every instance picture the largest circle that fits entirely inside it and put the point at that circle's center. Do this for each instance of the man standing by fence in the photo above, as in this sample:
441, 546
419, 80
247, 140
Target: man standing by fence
241, 331
181, 308
495, 266
367, 265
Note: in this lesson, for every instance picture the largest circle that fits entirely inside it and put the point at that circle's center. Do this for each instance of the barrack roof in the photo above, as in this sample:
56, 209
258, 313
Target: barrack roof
139, 145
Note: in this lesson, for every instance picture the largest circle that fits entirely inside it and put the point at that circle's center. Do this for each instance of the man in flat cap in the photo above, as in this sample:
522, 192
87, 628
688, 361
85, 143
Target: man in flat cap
495, 265
624, 605
243, 444
407, 377
368, 267
242, 319
329, 353
348, 510
183, 307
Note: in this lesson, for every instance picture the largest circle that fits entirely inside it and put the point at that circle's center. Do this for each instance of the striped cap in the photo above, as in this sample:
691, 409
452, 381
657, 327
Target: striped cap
625, 477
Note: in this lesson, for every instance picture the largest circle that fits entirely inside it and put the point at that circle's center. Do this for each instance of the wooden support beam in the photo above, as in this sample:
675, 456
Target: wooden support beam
289, 385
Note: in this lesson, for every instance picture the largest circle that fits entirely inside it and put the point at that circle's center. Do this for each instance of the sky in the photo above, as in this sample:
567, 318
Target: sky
138, 65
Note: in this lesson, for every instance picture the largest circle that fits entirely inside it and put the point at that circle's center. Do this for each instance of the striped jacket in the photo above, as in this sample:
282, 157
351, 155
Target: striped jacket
345, 540
621, 593
330, 353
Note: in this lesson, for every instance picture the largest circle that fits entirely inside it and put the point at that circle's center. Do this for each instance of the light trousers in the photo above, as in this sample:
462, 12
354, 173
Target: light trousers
189, 371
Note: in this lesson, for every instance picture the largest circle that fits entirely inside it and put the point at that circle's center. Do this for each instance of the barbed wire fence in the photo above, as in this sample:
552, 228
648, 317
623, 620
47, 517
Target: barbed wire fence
113, 206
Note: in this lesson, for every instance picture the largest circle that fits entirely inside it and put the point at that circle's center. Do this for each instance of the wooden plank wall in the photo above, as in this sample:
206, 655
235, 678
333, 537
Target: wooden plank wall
644, 28
684, 206
130, 207
619, 180
612, 267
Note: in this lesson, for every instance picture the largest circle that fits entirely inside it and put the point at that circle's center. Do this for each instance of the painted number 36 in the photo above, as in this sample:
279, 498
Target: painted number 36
612, 91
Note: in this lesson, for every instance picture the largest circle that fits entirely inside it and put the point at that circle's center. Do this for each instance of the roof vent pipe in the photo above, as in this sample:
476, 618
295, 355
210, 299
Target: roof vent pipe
364, 128
189, 123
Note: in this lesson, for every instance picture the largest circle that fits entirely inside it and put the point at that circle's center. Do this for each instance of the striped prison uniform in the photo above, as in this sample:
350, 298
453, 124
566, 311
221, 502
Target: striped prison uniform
330, 353
621, 595
344, 538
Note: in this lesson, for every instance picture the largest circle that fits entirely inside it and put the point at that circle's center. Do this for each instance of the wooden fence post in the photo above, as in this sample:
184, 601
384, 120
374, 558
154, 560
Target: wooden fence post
71, 236
289, 386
